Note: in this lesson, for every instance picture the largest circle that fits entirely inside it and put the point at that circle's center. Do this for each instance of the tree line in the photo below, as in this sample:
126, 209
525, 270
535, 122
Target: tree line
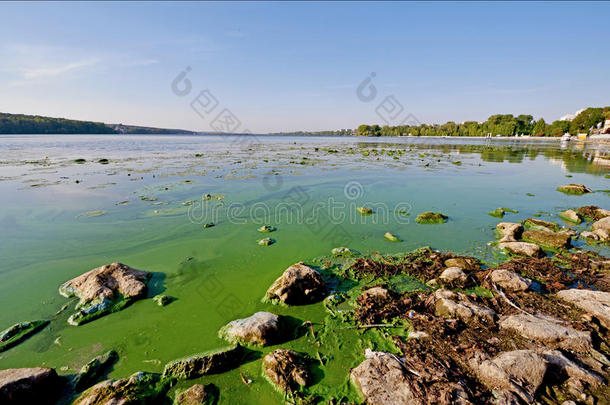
499, 124
35, 124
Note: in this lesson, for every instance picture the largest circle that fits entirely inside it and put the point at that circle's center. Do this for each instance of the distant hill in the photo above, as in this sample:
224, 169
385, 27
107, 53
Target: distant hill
36, 124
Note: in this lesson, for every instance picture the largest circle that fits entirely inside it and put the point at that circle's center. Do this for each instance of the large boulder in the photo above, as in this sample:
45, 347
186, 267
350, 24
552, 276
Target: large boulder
383, 379
209, 363
198, 394
509, 280
555, 240
597, 303
103, 290
287, 370
139, 388
262, 328
454, 305
38, 385
512, 375
522, 249
548, 331
298, 285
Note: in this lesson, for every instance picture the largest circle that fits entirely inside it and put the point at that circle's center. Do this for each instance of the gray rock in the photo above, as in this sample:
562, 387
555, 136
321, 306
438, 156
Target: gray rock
522, 249
36, 385
557, 360
518, 373
262, 328
298, 285
510, 229
597, 303
453, 275
211, 363
382, 379
510, 281
452, 305
548, 331
603, 224
570, 215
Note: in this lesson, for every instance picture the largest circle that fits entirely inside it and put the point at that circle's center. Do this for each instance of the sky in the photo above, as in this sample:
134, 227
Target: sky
279, 67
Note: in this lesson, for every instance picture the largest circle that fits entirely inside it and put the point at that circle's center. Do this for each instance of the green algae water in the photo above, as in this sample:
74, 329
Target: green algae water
73, 203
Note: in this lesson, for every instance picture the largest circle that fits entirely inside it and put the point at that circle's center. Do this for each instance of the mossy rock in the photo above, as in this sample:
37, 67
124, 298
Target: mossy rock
162, 300
103, 161
139, 388
94, 370
80, 161
570, 216
574, 189
498, 213
212, 362
547, 239
431, 218
266, 242
19, 332
391, 237
266, 229
364, 211
209, 225
344, 252
540, 224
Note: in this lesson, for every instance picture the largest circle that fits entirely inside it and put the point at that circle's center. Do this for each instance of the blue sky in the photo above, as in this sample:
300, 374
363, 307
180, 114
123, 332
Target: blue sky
297, 65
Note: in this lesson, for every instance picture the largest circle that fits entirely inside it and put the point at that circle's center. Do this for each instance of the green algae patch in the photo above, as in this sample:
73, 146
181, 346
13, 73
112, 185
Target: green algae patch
103, 161
19, 332
344, 252
431, 218
80, 161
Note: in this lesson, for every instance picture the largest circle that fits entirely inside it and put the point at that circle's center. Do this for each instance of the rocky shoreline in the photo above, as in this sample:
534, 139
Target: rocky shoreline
533, 329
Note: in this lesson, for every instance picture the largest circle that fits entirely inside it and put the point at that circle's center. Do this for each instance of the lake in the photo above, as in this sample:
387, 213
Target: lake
146, 207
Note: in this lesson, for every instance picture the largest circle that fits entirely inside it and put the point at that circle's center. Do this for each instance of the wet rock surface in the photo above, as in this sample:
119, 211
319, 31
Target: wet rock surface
522, 248
574, 189
139, 388
94, 370
198, 394
556, 240
211, 363
287, 370
262, 328
103, 290
597, 303
298, 285
36, 385
17, 333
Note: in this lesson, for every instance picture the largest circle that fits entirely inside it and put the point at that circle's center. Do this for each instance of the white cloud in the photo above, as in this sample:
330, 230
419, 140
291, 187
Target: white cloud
58, 70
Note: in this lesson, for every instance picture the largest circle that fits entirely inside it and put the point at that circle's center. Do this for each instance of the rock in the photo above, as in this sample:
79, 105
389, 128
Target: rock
382, 380
548, 331
498, 213
519, 372
573, 189
36, 385
603, 223
391, 237
597, 303
589, 235
453, 275
570, 216
266, 242
91, 372
466, 263
541, 225
262, 328
556, 240
431, 218
141, 387
19, 332
103, 290
510, 229
375, 293
510, 281
209, 225
557, 360
266, 229
364, 211
343, 252
522, 248
450, 304
286, 370
299, 285
211, 363
198, 394
602, 234
162, 300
